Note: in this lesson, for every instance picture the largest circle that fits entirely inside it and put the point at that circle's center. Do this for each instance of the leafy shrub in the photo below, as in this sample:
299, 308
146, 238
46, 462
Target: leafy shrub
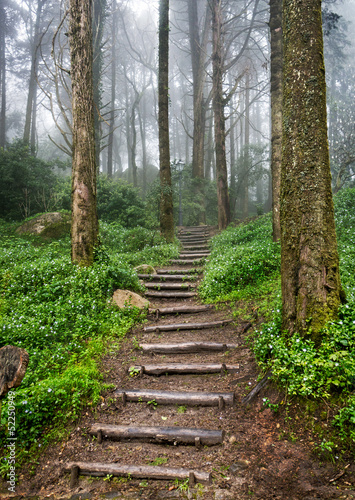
26, 182
240, 256
60, 313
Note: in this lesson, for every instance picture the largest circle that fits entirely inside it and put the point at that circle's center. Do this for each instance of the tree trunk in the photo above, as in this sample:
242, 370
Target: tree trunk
311, 289
98, 21
84, 232
32, 86
198, 57
246, 153
219, 119
166, 195
113, 93
2, 76
276, 110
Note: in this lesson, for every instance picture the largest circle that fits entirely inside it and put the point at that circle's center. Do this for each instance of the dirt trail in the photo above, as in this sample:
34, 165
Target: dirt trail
262, 456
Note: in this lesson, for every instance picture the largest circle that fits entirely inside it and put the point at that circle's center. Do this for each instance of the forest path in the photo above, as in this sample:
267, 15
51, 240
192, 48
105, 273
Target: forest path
155, 425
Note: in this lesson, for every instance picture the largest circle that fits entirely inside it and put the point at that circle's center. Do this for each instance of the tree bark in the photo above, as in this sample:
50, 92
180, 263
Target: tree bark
219, 119
311, 289
84, 232
166, 195
276, 110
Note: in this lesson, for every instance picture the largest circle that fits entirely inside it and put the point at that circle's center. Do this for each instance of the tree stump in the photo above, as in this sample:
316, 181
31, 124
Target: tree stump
13, 365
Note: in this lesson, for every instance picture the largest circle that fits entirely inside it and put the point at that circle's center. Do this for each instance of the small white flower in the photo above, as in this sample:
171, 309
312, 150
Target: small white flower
49, 390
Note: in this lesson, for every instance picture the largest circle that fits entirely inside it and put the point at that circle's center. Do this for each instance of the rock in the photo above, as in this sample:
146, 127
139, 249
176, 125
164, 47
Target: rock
125, 298
13, 365
49, 225
232, 440
145, 269
238, 466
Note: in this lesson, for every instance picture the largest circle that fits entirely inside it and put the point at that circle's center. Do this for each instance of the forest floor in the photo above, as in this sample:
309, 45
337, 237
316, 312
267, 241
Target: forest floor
265, 454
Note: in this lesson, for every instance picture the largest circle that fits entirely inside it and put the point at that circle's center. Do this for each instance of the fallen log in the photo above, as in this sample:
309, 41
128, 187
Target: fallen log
187, 326
186, 347
180, 310
140, 471
183, 435
259, 386
178, 397
171, 295
182, 368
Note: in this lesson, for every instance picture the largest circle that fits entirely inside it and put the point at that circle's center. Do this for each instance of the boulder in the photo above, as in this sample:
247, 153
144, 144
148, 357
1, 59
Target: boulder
125, 298
48, 225
145, 269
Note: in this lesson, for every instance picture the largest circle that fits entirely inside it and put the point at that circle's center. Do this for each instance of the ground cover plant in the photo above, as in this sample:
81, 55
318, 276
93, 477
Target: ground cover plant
245, 264
62, 315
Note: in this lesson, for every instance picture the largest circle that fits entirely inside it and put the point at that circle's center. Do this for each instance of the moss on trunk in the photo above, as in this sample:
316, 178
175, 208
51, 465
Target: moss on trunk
311, 288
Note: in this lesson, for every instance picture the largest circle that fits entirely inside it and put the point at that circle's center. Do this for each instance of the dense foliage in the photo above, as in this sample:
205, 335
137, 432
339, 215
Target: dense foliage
241, 257
26, 182
61, 314
245, 263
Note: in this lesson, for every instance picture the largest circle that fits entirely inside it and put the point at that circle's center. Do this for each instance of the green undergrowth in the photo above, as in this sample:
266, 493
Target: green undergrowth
63, 316
244, 267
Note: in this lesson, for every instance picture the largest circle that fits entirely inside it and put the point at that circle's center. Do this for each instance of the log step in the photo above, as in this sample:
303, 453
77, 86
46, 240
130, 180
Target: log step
171, 295
186, 347
140, 471
170, 286
184, 262
167, 277
200, 398
180, 310
186, 326
180, 271
182, 368
196, 247
185, 435
191, 255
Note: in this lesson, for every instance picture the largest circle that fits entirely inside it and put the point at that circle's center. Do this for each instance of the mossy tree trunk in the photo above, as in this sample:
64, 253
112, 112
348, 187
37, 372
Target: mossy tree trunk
166, 195
311, 289
276, 110
219, 118
84, 232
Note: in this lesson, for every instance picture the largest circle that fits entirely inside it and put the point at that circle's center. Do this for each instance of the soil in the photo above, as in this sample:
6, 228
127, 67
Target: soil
264, 455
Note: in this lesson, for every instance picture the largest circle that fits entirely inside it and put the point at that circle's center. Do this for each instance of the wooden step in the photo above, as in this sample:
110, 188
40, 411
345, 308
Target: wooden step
187, 326
185, 435
181, 262
193, 255
170, 295
167, 277
141, 471
186, 347
195, 247
180, 271
180, 310
170, 286
182, 368
200, 398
